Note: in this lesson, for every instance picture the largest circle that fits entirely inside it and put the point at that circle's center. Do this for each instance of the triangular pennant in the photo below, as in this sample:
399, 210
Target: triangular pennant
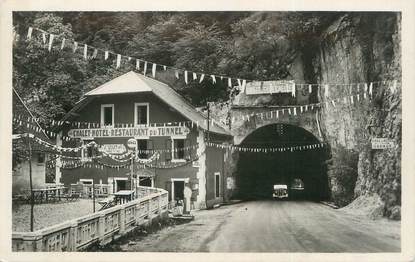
194, 76
229, 82
106, 54
153, 70
185, 77
176, 74
145, 68
293, 89
63, 43
213, 79
118, 61
165, 68
44, 37
29, 33
202, 76
86, 52
51, 37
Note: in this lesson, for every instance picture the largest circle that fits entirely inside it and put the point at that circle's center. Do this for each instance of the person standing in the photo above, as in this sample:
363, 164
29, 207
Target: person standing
187, 192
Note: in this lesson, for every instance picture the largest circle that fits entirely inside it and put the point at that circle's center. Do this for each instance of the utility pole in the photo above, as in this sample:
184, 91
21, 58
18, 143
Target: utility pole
32, 200
93, 196
132, 173
208, 120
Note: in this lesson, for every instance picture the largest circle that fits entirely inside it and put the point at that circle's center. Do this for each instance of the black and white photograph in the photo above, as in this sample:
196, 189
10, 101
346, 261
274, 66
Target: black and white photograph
205, 132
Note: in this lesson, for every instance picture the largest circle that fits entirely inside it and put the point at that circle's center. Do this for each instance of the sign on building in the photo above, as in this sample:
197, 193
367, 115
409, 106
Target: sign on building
269, 87
230, 184
382, 143
113, 148
136, 132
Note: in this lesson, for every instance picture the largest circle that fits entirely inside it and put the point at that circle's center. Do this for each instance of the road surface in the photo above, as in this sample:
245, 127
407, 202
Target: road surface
274, 226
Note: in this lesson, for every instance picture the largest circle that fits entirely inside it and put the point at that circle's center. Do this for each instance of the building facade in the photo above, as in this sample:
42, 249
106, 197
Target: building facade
169, 134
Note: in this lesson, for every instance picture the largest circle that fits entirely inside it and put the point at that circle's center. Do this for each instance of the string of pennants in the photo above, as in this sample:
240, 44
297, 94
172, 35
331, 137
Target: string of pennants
76, 124
77, 163
114, 156
363, 92
89, 52
29, 122
267, 150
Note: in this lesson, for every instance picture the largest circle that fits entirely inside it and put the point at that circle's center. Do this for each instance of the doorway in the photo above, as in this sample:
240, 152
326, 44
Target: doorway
177, 190
120, 185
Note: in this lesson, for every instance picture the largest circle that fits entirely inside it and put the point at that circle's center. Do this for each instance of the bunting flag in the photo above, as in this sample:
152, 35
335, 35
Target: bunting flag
153, 70
293, 89
145, 68
44, 37
31, 30
371, 89
118, 61
310, 89
51, 36
29, 33
75, 46
176, 74
185, 77
86, 52
63, 43
213, 79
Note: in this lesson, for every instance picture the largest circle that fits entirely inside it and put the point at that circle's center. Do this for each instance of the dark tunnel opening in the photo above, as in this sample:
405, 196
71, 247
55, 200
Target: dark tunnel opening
258, 172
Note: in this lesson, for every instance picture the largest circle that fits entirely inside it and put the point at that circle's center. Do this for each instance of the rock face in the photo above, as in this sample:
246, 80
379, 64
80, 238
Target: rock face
358, 49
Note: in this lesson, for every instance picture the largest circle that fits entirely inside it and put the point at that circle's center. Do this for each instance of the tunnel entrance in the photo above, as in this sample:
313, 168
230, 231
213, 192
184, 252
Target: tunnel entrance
303, 171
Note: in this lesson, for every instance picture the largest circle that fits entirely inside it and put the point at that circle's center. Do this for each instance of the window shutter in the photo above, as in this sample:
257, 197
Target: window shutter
167, 154
168, 188
187, 151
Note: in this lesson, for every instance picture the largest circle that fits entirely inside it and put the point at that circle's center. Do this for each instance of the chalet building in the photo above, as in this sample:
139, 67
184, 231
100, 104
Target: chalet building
161, 122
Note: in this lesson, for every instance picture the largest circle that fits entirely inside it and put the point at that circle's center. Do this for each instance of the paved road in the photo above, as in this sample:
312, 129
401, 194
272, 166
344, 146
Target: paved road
274, 226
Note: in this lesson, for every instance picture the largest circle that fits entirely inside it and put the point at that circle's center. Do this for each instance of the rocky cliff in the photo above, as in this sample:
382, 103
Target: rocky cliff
358, 49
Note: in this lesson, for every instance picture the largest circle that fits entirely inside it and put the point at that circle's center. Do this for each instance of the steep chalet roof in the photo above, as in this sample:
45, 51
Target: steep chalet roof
132, 82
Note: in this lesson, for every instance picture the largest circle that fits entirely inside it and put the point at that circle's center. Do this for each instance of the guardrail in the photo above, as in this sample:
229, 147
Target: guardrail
100, 227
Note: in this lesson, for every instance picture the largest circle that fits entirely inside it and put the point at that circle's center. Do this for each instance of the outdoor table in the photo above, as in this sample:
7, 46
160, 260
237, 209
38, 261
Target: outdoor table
44, 193
123, 196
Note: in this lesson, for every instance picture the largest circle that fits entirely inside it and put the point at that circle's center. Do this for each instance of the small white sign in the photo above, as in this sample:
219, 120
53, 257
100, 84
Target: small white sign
382, 143
113, 148
230, 183
132, 143
196, 163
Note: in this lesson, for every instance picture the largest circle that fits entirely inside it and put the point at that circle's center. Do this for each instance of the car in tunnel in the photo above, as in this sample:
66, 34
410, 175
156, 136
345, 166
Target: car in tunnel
297, 189
280, 191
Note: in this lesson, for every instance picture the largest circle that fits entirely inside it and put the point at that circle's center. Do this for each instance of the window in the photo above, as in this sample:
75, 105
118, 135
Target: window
217, 184
141, 114
178, 149
107, 115
141, 147
40, 158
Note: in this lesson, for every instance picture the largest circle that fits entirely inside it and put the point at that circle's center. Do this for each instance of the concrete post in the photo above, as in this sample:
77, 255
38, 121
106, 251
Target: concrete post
73, 237
122, 220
